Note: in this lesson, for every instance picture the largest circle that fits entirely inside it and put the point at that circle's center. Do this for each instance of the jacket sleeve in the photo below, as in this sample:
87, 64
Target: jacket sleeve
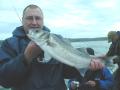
13, 68
107, 81
71, 73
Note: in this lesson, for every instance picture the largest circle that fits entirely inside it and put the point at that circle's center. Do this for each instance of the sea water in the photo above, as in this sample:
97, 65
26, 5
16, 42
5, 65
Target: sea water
100, 47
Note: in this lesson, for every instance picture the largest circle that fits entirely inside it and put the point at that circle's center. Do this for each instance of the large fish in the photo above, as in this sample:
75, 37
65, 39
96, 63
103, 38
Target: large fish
59, 48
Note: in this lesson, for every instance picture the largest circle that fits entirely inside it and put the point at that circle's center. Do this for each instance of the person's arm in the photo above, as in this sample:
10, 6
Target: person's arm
13, 71
14, 68
107, 83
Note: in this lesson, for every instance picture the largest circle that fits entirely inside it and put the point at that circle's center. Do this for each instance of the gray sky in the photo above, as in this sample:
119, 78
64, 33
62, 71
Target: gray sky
70, 18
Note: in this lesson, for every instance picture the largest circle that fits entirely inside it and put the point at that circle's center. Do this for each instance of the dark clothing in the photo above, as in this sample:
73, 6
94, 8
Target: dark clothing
103, 79
15, 73
117, 79
115, 50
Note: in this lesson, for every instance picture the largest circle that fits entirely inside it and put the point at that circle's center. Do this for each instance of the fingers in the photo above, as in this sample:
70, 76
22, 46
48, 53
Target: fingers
96, 64
92, 83
32, 51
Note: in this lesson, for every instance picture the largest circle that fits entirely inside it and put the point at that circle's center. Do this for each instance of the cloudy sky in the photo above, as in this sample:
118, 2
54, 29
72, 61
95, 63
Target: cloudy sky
70, 18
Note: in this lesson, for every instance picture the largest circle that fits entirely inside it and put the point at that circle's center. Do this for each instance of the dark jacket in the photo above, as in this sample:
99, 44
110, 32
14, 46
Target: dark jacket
16, 74
114, 48
103, 79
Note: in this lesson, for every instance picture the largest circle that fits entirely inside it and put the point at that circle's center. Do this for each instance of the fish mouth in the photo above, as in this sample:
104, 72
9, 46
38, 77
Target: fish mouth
35, 30
38, 34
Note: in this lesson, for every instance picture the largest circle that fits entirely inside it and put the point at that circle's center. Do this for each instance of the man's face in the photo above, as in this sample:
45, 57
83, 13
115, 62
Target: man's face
32, 18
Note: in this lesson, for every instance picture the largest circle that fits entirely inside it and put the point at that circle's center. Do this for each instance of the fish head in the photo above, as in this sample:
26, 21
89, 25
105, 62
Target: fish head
38, 35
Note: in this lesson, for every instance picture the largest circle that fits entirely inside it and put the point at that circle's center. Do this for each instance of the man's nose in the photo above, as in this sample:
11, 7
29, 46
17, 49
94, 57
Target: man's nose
34, 21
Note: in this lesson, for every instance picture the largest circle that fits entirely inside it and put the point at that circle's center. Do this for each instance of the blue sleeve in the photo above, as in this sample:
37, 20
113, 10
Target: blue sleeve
107, 83
13, 69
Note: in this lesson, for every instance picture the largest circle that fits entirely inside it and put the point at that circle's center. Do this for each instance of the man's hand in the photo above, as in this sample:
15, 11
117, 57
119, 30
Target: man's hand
96, 64
91, 83
32, 51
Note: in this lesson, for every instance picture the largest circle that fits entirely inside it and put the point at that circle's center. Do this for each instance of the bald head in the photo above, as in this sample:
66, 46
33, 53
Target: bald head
32, 6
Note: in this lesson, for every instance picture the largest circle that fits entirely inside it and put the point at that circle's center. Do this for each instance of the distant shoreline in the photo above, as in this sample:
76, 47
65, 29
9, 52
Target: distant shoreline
87, 39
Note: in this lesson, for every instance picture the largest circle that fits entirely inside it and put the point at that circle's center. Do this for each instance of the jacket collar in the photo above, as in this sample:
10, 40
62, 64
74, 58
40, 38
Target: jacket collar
19, 31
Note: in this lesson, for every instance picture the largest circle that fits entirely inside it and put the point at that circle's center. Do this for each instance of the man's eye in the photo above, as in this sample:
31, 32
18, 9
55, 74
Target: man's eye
33, 17
29, 18
37, 18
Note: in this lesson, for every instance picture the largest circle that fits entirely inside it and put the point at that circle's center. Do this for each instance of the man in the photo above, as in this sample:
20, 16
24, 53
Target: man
21, 60
114, 37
